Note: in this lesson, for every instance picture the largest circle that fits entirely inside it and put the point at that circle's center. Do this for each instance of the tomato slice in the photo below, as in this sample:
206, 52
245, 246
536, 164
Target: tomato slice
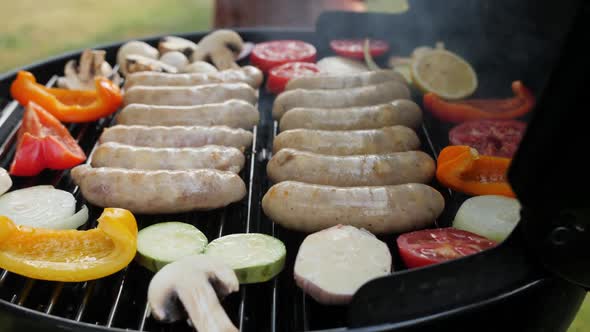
275, 53
43, 142
499, 138
432, 246
278, 77
353, 48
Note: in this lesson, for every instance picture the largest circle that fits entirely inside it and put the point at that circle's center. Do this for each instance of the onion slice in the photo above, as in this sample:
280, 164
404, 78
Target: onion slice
246, 50
490, 216
368, 58
42, 207
73, 222
5, 181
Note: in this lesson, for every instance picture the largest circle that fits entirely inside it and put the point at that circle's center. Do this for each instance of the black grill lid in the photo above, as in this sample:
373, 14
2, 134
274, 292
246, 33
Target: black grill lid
550, 171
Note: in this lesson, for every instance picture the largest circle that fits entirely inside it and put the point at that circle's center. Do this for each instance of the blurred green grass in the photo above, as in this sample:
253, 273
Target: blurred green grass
582, 322
32, 30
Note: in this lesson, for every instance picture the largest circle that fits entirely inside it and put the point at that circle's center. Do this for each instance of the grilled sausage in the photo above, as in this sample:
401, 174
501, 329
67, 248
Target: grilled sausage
118, 155
345, 143
344, 81
400, 112
380, 210
350, 171
247, 74
158, 191
177, 136
189, 95
232, 113
361, 96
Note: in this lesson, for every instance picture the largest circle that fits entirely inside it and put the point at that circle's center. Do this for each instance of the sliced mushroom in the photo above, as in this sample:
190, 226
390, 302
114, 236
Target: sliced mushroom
79, 75
246, 50
171, 44
200, 67
195, 282
135, 47
175, 59
135, 63
221, 48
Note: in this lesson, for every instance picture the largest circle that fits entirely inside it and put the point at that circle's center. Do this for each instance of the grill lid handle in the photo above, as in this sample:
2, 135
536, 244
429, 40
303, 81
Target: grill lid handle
550, 174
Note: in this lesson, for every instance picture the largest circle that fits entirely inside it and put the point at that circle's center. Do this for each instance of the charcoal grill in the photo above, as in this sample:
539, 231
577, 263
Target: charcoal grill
505, 288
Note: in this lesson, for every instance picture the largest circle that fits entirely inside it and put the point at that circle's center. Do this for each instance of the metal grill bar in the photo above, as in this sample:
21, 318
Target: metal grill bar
242, 307
25, 291
9, 140
89, 287
275, 282
221, 224
146, 314
243, 290
115, 304
304, 311
7, 111
251, 180
54, 297
3, 277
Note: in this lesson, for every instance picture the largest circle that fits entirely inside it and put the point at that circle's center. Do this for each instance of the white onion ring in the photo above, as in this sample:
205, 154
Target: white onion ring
42, 207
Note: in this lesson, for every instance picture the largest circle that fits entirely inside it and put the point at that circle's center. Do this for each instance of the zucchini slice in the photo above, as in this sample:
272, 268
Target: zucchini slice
254, 257
164, 243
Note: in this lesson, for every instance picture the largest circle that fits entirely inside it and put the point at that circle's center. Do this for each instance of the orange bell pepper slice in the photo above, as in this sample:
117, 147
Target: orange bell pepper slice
478, 109
462, 169
69, 255
68, 105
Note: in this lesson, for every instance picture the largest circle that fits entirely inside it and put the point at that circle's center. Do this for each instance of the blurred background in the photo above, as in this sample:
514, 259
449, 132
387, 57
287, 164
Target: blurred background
31, 30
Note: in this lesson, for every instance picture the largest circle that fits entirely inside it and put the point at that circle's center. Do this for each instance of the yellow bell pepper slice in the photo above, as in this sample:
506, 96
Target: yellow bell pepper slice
70, 255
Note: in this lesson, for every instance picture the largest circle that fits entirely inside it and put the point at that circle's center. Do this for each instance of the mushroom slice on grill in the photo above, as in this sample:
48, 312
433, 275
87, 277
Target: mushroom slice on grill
196, 282
79, 75
221, 48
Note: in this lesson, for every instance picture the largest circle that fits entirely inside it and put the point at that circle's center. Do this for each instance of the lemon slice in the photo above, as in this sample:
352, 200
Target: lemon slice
406, 72
444, 73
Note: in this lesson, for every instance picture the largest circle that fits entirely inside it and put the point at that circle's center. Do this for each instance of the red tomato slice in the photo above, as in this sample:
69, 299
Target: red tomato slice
432, 246
498, 138
353, 48
43, 142
275, 53
278, 77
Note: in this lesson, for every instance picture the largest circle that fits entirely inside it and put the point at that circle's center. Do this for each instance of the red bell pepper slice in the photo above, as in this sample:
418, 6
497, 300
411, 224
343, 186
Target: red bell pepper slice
43, 142
477, 109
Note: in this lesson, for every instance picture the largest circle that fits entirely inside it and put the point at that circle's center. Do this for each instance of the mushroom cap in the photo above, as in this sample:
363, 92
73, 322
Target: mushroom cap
135, 47
218, 39
136, 62
172, 43
175, 59
200, 67
79, 75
